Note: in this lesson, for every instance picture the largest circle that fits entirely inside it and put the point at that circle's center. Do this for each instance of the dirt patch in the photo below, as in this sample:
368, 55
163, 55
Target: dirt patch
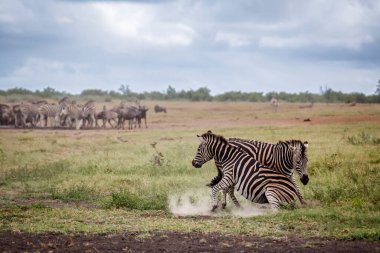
174, 242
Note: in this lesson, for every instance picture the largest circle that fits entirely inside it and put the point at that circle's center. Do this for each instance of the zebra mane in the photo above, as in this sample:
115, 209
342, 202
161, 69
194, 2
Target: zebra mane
64, 99
89, 102
294, 143
210, 135
244, 140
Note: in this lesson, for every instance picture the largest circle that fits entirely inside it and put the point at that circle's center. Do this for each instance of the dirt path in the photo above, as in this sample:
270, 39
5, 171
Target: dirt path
173, 242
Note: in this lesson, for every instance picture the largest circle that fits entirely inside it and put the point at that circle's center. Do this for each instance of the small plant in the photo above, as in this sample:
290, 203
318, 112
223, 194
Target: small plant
77, 192
126, 199
363, 138
158, 157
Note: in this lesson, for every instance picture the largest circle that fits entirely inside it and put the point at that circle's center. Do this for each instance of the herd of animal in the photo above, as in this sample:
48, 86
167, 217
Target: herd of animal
261, 172
68, 113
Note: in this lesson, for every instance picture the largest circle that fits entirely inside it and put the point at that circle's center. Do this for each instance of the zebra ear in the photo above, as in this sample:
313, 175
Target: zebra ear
306, 144
209, 132
200, 138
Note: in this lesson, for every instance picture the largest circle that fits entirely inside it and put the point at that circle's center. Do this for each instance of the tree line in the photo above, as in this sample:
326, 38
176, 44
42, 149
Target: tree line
200, 94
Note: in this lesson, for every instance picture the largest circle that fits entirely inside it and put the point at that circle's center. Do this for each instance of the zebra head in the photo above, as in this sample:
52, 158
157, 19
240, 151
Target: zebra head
300, 160
205, 150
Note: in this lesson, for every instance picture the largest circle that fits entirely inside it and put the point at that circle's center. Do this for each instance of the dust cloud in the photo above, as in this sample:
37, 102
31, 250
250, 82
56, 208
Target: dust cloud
198, 203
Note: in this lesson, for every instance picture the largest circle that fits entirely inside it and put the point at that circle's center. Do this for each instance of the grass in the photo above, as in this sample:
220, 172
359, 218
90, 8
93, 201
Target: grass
130, 175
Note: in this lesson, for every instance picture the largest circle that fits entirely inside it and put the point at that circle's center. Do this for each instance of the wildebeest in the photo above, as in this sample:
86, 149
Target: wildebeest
25, 113
107, 115
6, 115
158, 108
127, 113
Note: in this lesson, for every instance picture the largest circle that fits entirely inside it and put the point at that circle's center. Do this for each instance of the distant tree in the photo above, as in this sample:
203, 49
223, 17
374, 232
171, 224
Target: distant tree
171, 92
377, 92
124, 89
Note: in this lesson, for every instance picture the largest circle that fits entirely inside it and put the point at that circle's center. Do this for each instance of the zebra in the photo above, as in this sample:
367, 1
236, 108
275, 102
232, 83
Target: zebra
256, 182
274, 104
284, 157
47, 111
89, 113
72, 112
25, 113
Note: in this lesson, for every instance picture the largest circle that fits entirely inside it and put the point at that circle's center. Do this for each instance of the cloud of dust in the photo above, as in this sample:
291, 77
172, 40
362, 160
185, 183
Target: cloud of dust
198, 203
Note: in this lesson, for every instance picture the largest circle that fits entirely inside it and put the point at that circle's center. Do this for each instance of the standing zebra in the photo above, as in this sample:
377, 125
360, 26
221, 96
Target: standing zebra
274, 104
52, 111
253, 180
284, 157
72, 112
89, 113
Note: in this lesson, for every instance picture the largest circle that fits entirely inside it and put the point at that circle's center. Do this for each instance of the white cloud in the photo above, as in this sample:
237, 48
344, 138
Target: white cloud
232, 39
142, 24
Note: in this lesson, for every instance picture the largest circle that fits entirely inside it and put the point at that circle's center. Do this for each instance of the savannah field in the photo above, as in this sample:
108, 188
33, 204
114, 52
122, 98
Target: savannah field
113, 190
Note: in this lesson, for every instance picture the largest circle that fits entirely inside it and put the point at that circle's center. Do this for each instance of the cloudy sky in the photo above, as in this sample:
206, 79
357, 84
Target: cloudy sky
246, 45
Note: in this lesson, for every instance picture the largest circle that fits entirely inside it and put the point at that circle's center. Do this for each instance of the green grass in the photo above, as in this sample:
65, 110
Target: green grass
118, 172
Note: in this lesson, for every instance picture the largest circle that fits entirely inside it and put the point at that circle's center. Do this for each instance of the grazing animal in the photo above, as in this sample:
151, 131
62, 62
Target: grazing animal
158, 108
25, 113
253, 180
106, 115
284, 157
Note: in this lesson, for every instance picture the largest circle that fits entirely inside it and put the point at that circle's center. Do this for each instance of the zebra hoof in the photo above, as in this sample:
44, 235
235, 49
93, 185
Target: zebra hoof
214, 208
224, 205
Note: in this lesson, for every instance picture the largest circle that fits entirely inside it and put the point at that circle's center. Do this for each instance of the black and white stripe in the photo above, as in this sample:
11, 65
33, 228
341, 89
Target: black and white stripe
253, 180
284, 157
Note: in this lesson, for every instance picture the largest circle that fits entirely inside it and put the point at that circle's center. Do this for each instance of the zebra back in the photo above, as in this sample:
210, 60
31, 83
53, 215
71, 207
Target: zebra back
284, 157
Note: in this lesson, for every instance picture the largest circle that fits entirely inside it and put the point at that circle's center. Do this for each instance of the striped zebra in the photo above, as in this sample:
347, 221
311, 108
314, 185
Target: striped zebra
72, 113
51, 111
253, 180
284, 157
25, 113
89, 113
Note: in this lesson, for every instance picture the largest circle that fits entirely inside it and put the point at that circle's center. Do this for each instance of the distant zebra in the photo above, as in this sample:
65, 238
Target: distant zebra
52, 111
253, 180
284, 157
274, 104
89, 113
25, 113
72, 113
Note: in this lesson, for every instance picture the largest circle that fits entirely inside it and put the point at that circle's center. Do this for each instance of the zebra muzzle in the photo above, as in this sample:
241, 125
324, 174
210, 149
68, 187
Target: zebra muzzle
195, 164
304, 179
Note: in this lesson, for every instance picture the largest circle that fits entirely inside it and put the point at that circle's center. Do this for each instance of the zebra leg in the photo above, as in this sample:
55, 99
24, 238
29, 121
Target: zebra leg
222, 185
231, 192
297, 190
272, 198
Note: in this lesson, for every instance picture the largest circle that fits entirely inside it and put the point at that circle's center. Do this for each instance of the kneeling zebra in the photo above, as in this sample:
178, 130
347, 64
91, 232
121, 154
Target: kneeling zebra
285, 157
253, 180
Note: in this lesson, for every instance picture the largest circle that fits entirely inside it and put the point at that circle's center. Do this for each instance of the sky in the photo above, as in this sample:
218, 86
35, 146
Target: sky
241, 45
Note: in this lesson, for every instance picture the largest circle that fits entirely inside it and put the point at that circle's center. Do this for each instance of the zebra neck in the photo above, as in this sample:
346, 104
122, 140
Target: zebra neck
224, 154
283, 160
